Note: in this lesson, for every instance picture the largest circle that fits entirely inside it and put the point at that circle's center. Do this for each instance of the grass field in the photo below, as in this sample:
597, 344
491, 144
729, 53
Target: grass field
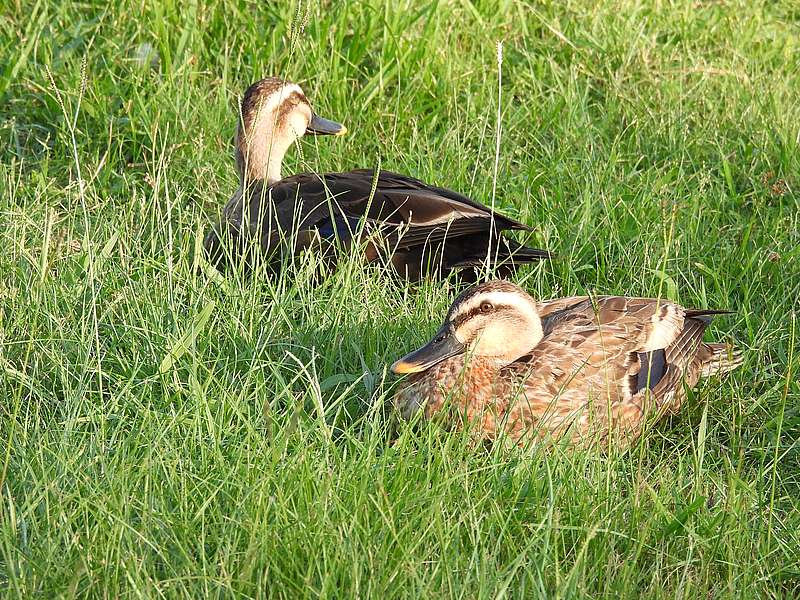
166, 433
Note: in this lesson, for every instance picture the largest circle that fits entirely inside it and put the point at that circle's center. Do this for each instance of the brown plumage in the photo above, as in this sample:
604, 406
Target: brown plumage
590, 369
419, 229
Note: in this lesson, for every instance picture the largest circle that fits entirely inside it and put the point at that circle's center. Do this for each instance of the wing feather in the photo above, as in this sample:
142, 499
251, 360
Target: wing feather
411, 219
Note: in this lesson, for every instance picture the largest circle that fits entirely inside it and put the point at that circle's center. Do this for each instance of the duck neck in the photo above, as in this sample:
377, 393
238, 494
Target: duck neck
259, 153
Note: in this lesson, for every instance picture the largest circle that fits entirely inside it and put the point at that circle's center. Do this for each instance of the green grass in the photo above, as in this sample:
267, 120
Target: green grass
170, 434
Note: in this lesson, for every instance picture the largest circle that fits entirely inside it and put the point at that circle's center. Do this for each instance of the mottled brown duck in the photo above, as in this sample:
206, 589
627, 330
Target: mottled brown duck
419, 229
586, 369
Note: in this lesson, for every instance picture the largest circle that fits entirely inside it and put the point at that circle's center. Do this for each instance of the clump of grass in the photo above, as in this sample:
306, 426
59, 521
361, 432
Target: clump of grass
170, 433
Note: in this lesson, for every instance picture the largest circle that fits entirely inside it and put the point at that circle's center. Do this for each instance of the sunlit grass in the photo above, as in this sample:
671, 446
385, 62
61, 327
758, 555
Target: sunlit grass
171, 433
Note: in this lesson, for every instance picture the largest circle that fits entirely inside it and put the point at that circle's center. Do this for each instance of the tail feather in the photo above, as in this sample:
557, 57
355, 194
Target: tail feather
705, 314
723, 359
507, 252
700, 312
525, 254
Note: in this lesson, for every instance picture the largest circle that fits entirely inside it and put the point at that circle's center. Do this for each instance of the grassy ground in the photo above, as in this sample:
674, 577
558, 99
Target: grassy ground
654, 144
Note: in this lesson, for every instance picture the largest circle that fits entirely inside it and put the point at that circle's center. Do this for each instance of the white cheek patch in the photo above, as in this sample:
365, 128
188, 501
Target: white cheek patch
505, 334
493, 341
297, 123
466, 331
505, 341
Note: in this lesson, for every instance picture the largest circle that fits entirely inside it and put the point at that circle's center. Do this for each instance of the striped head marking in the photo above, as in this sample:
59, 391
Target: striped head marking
496, 320
275, 113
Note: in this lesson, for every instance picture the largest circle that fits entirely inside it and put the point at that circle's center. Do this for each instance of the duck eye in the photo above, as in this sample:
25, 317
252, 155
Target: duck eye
439, 338
486, 307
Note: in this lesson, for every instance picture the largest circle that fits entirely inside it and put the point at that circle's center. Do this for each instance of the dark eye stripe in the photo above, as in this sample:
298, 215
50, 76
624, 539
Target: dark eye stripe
289, 103
478, 311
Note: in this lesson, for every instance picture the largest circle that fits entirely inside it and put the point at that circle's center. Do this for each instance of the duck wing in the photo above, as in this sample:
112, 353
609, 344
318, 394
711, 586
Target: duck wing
401, 206
588, 339
414, 222
630, 351
417, 224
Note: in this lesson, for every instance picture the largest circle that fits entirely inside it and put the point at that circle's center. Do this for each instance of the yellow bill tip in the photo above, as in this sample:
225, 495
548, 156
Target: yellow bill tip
402, 367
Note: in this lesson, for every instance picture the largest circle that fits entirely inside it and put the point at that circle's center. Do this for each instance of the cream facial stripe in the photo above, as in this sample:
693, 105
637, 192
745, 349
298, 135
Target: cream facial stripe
506, 335
277, 97
497, 298
269, 108
298, 119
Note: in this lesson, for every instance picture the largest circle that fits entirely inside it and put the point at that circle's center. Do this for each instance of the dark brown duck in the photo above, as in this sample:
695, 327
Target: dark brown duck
421, 230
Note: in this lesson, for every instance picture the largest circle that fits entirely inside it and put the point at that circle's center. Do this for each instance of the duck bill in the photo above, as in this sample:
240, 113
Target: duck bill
321, 126
444, 345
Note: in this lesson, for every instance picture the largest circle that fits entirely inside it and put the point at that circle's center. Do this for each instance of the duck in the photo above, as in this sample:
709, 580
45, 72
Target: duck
420, 230
580, 370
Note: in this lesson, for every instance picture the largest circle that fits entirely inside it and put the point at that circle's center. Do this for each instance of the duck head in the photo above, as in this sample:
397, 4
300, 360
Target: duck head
275, 113
496, 321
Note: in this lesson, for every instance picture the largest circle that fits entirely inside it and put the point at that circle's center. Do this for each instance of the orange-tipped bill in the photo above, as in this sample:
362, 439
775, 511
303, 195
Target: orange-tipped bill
444, 345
